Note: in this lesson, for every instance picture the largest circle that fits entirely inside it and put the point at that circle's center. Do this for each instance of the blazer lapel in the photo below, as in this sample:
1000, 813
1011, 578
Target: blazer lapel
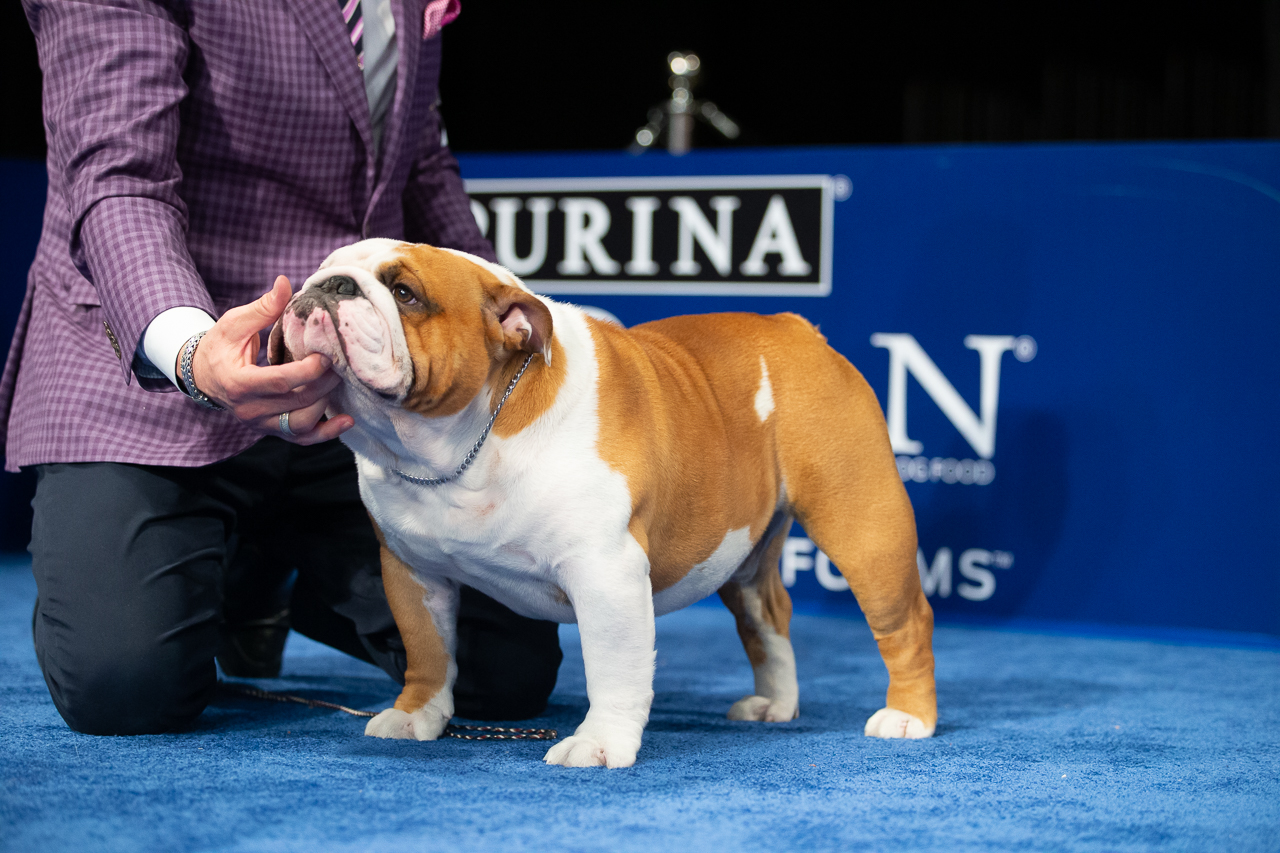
408, 17
328, 36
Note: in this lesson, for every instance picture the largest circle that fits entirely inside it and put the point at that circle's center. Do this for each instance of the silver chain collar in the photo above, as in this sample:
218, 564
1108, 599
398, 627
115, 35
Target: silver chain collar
475, 448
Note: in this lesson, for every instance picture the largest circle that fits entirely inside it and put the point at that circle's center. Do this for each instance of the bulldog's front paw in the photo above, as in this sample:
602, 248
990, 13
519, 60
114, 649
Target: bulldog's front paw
588, 751
761, 709
424, 724
892, 723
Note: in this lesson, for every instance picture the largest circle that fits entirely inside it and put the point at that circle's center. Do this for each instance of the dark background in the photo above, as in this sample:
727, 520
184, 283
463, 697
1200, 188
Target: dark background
582, 75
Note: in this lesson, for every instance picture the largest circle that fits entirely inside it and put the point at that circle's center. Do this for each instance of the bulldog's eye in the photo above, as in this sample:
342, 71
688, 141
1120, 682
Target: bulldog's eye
403, 295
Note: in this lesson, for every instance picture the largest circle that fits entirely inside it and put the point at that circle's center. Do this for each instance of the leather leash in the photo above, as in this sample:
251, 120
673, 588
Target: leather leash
461, 732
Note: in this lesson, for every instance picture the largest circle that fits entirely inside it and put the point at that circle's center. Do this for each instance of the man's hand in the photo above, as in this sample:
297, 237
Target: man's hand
225, 368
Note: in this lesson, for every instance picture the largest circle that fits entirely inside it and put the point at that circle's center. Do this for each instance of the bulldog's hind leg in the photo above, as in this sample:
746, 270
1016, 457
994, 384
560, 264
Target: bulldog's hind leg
870, 535
762, 610
426, 614
845, 489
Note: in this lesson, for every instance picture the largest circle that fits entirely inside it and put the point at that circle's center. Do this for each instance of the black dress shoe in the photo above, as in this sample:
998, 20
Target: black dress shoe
254, 649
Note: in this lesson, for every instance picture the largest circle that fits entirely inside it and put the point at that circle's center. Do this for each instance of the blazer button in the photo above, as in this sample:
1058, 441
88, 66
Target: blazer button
111, 336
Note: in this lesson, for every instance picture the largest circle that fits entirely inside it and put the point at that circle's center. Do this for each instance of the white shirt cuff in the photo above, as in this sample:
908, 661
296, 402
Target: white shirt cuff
168, 333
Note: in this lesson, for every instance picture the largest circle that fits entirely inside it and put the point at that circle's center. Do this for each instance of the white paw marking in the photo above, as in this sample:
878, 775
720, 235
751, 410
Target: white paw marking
892, 723
586, 751
424, 724
763, 710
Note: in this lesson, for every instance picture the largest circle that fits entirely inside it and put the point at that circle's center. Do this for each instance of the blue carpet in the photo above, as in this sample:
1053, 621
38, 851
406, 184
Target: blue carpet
1047, 742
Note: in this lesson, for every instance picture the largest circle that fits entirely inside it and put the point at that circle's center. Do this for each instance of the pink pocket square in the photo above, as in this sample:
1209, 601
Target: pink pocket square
439, 13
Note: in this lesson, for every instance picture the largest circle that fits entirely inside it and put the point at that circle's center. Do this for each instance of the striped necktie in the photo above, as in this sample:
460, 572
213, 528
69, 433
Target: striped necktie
355, 27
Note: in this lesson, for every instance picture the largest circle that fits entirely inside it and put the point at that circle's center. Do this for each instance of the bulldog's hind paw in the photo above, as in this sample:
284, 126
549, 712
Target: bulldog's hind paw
892, 723
424, 724
764, 710
586, 751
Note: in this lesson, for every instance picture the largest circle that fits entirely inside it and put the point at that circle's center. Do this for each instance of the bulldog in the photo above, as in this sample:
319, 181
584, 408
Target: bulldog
582, 472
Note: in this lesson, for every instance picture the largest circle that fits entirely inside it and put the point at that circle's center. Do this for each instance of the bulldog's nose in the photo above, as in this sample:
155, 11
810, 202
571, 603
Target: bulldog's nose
341, 285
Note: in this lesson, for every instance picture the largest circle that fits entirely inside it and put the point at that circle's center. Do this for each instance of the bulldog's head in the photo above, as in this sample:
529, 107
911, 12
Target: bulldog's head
412, 326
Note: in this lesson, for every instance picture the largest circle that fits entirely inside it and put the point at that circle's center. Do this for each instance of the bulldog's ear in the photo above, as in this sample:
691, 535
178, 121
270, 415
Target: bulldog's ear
277, 352
524, 318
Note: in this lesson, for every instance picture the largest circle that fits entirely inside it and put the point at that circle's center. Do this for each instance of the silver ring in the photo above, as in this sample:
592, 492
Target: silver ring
284, 424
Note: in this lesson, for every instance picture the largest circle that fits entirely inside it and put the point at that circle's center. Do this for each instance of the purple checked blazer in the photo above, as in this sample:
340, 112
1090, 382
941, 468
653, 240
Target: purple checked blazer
197, 149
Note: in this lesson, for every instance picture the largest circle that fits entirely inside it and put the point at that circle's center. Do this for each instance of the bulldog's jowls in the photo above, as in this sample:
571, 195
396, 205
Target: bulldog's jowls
632, 472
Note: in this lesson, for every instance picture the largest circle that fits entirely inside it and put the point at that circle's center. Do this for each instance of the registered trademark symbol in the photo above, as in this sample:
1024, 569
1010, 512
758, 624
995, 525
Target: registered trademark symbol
841, 187
1024, 348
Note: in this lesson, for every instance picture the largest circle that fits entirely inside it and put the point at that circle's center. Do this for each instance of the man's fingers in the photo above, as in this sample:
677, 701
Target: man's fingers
265, 405
330, 429
253, 384
283, 378
304, 419
225, 362
307, 426
246, 320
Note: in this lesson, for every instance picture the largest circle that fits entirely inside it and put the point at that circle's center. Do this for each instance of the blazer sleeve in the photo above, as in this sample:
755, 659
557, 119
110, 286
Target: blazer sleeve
436, 207
113, 83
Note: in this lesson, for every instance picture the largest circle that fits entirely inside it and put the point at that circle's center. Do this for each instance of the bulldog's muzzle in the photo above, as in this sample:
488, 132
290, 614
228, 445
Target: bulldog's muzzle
335, 316
325, 295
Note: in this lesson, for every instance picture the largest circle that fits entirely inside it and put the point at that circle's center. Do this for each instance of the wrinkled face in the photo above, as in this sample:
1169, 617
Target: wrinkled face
411, 325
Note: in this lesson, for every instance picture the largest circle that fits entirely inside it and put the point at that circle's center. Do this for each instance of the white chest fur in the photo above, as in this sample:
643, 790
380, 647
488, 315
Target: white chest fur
532, 506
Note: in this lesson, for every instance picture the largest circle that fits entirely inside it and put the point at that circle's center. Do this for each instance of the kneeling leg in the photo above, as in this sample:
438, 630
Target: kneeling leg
128, 562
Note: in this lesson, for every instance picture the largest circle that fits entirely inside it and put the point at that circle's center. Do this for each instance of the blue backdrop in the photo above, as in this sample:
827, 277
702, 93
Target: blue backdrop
1133, 481
1124, 475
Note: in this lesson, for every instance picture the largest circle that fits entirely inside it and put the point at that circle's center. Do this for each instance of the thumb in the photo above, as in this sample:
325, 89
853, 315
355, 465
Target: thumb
246, 320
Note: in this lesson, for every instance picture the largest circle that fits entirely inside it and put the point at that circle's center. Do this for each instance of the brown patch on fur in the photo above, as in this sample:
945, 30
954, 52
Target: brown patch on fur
639, 532
455, 336
698, 461
534, 393
775, 603
427, 658
748, 630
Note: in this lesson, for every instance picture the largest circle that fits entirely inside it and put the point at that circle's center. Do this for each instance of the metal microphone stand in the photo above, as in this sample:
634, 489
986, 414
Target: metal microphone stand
675, 116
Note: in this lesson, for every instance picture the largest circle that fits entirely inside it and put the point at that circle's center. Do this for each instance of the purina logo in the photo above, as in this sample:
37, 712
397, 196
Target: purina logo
746, 235
906, 356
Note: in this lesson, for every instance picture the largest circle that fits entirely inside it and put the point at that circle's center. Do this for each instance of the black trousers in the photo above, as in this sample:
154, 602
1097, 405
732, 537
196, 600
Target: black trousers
139, 568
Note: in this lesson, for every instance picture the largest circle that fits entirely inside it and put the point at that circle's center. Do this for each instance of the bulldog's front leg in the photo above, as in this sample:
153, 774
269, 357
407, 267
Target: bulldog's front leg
615, 622
426, 612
